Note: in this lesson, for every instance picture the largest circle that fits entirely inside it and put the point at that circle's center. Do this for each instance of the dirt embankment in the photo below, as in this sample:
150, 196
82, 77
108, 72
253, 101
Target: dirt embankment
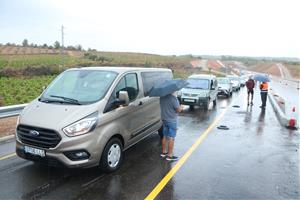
268, 68
8, 126
19, 50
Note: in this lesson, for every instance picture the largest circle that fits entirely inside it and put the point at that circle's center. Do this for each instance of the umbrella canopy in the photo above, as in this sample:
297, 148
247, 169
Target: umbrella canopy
167, 87
261, 78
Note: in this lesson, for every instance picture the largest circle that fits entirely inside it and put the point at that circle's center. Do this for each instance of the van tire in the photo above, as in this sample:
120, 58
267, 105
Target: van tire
160, 132
192, 107
215, 102
205, 106
112, 153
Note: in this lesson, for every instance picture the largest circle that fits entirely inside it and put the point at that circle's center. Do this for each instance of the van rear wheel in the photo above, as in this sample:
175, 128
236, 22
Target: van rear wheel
160, 132
112, 155
215, 102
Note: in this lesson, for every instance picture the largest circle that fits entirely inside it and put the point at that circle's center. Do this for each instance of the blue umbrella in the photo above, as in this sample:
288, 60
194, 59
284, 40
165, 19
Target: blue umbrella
167, 87
261, 78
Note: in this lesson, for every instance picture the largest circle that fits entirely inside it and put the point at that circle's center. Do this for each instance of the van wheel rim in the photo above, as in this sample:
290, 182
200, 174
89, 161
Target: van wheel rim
114, 155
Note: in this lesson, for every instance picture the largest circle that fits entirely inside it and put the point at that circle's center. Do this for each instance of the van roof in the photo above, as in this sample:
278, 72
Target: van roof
206, 76
120, 69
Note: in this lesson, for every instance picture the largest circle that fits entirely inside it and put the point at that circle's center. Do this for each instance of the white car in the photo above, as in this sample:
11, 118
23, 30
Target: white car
225, 86
236, 82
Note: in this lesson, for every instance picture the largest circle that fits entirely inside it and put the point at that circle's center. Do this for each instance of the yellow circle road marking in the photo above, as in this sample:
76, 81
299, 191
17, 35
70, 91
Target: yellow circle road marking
8, 156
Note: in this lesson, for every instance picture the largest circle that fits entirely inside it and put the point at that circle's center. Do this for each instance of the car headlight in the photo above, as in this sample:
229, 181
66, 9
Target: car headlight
82, 126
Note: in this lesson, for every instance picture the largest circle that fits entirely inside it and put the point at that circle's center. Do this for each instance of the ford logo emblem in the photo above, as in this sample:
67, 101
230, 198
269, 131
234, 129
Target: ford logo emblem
34, 133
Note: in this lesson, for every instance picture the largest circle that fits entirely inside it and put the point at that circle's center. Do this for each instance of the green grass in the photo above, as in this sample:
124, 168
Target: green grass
21, 90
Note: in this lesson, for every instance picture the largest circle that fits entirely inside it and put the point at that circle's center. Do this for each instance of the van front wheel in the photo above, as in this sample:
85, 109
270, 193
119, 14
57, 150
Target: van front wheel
112, 155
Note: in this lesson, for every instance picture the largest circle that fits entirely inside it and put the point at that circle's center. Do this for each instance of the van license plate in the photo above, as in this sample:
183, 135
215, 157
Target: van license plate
189, 100
34, 151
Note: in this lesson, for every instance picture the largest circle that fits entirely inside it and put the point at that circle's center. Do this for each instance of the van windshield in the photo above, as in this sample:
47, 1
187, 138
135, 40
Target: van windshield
79, 87
196, 83
223, 81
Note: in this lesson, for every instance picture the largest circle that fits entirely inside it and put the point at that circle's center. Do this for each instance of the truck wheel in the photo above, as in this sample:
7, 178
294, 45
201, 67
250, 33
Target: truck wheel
112, 155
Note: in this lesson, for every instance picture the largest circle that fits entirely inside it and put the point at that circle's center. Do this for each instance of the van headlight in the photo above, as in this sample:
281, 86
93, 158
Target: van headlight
82, 126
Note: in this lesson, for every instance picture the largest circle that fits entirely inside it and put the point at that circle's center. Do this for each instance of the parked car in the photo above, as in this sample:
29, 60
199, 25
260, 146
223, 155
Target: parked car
243, 80
236, 82
89, 116
200, 91
225, 86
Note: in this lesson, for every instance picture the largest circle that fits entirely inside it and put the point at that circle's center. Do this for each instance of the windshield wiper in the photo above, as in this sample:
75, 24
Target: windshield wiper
67, 99
51, 101
195, 88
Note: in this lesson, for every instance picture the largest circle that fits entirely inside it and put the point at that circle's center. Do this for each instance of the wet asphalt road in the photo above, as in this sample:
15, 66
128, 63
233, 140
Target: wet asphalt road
290, 92
255, 159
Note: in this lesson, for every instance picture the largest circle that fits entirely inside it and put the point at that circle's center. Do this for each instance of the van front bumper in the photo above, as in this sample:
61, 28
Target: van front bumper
193, 102
56, 158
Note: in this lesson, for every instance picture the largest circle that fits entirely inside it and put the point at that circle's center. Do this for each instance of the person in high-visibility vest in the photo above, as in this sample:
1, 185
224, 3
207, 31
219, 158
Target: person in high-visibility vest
264, 93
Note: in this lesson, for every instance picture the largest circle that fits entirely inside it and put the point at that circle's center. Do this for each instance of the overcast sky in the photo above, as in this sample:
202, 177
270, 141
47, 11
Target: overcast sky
216, 27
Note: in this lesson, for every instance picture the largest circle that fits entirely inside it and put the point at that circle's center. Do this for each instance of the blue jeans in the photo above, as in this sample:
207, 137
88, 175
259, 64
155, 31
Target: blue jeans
169, 129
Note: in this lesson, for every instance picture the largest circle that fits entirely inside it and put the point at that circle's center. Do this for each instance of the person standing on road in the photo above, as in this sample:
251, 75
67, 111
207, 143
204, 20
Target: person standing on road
169, 108
263, 93
250, 89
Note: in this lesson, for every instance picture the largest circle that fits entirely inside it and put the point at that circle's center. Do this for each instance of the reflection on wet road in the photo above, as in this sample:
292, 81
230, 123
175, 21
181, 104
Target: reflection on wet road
255, 159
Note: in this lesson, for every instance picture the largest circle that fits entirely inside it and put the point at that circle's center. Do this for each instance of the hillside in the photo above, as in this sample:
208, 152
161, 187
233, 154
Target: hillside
25, 70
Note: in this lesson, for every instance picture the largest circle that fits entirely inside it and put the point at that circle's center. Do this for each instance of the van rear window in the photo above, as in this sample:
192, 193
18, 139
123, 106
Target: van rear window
154, 78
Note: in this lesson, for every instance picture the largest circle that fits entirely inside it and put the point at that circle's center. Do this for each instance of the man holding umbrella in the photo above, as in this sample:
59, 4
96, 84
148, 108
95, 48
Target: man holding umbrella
263, 88
169, 106
264, 93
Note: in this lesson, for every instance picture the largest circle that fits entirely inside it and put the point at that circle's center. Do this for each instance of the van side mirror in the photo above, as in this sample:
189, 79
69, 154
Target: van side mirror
124, 98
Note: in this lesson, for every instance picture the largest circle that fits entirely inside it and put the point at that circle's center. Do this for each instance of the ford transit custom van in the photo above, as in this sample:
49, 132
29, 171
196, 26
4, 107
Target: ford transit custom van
88, 116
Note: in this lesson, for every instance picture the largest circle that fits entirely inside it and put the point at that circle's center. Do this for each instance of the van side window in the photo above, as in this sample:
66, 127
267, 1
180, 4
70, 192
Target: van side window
131, 86
154, 78
128, 83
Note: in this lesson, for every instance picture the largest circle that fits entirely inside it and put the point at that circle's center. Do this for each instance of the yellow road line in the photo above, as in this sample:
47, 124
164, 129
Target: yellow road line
178, 165
8, 156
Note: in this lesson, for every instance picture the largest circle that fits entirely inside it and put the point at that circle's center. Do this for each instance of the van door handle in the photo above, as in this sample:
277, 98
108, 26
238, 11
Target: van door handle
141, 103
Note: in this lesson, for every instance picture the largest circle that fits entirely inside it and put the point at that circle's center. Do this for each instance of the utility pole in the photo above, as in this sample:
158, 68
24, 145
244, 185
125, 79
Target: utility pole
62, 46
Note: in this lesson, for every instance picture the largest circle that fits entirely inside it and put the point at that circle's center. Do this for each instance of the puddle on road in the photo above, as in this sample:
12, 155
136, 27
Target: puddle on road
236, 106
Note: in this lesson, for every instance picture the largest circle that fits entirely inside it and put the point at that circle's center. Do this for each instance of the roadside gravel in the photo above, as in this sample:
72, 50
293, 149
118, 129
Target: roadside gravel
7, 126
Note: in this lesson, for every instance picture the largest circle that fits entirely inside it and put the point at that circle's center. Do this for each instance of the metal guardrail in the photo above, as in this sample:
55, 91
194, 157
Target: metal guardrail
9, 111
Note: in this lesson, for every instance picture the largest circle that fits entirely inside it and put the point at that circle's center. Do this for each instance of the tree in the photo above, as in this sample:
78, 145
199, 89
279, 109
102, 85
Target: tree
25, 43
56, 45
45, 45
79, 47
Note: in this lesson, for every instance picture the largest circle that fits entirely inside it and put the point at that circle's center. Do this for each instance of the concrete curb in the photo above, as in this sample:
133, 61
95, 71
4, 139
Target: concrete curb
7, 138
283, 119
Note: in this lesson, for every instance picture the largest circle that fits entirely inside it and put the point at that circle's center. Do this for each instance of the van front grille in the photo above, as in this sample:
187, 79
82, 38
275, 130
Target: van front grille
39, 137
189, 95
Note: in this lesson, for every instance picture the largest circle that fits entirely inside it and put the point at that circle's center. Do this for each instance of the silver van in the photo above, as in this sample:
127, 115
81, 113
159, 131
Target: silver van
89, 116
200, 91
